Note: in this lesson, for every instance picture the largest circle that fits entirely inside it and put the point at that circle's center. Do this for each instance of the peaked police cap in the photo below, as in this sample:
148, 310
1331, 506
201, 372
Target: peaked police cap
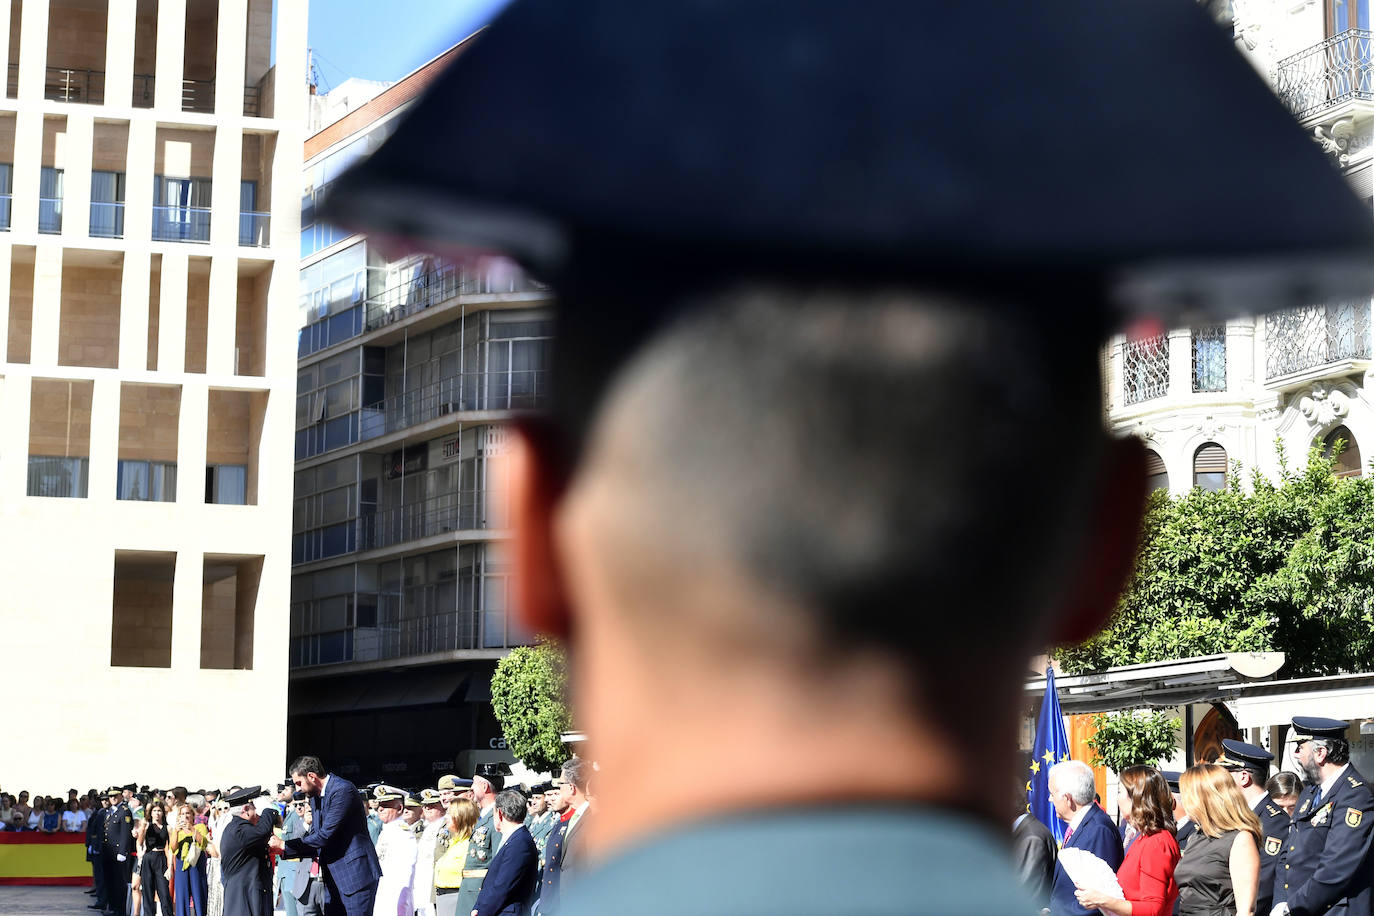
974, 145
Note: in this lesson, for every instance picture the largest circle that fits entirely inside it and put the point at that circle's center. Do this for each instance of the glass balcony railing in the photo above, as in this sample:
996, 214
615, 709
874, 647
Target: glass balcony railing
5, 212
464, 510
50, 215
253, 228
107, 219
181, 224
442, 284
516, 389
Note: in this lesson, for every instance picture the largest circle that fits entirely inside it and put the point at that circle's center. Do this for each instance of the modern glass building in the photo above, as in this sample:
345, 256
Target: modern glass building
408, 371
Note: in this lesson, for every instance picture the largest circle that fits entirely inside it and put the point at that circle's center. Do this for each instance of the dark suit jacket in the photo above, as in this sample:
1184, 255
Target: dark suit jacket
339, 838
508, 888
243, 863
1034, 852
1098, 835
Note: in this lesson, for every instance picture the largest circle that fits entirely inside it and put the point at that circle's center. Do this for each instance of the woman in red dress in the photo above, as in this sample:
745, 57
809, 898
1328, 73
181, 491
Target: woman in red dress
1147, 874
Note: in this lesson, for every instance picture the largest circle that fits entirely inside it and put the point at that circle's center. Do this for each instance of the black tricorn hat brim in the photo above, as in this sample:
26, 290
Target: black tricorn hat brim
1129, 144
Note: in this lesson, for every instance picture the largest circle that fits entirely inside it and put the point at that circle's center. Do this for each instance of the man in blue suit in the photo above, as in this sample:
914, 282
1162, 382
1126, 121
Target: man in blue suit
509, 885
338, 839
1090, 829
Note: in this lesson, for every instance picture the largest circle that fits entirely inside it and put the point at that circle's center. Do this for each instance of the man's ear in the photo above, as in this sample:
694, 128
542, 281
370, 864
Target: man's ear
534, 486
1108, 553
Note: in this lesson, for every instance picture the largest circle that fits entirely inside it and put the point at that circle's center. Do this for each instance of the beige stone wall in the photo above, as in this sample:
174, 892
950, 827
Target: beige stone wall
76, 34
20, 339
141, 625
217, 612
149, 418
184, 153
258, 151
109, 146
58, 556
197, 314
60, 417
250, 324
88, 329
202, 18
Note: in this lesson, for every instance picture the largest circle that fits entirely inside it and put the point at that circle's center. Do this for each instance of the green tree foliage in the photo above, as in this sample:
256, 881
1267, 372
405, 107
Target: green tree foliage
1133, 738
528, 695
1288, 567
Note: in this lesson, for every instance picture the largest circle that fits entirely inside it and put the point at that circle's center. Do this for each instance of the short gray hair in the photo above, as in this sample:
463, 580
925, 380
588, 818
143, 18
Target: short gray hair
1076, 778
512, 806
575, 772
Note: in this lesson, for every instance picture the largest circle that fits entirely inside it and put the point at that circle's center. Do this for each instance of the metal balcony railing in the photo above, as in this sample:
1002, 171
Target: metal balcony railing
1145, 368
107, 219
440, 285
181, 224
144, 84
198, 95
253, 228
64, 84
50, 215
439, 632
1325, 75
463, 510
1309, 336
512, 390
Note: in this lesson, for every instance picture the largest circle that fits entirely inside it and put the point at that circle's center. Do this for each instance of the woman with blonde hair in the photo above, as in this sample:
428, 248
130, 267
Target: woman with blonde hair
1219, 874
1146, 874
448, 869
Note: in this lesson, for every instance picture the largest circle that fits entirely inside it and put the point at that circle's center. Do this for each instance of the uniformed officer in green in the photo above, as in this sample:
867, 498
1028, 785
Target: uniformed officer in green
541, 819
489, 779
824, 461
1326, 866
1248, 765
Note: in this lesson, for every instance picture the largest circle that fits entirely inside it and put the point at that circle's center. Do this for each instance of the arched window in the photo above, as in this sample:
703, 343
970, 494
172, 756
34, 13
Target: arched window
1348, 461
1209, 467
1155, 475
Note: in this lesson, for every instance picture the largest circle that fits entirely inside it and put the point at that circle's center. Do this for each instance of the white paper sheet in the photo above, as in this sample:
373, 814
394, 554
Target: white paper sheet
1087, 871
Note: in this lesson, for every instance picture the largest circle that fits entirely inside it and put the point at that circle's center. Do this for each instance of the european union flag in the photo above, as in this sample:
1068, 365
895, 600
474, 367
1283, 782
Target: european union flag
1051, 747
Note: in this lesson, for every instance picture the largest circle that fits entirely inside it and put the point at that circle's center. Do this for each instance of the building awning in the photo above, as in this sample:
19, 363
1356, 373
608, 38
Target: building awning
1340, 696
1202, 679
361, 693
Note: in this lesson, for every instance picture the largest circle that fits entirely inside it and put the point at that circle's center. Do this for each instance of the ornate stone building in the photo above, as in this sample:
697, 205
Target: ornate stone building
1207, 397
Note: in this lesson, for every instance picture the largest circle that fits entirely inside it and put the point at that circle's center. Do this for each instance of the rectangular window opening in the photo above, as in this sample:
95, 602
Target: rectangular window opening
141, 631
229, 598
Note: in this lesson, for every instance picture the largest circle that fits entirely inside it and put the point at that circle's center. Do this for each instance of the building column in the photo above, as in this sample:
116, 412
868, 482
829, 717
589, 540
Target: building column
229, 58
33, 50
1180, 362
75, 152
227, 170
104, 444
171, 55
47, 303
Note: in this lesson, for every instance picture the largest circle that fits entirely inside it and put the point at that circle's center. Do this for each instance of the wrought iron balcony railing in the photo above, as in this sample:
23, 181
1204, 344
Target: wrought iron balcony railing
440, 285
518, 389
1145, 369
181, 224
1325, 75
1309, 336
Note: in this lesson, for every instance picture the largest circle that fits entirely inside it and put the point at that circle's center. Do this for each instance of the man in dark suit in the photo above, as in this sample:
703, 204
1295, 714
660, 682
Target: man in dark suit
243, 854
1034, 852
1248, 765
117, 852
509, 885
1090, 829
338, 839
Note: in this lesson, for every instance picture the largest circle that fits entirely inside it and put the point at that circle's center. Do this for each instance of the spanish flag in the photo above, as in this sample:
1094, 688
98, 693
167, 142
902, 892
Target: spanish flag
44, 858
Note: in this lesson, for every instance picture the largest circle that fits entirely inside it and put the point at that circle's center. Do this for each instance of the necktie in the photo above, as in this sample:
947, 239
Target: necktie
1068, 833
1317, 799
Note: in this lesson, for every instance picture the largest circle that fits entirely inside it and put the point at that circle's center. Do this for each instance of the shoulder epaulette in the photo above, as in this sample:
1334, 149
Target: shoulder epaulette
1272, 811
1354, 783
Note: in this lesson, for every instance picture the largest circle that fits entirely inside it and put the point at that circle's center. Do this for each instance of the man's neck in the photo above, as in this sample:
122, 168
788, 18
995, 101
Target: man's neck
1253, 794
1330, 773
1077, 817
487, 805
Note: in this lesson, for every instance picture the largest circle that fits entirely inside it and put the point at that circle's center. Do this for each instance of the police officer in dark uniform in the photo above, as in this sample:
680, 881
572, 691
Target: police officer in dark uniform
95, 841
243, 854
1326, 866
1249, 767
118, 852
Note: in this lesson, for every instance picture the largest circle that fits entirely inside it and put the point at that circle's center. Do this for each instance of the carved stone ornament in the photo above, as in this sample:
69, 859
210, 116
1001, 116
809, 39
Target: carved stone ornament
1323, 405
1335, 140
1146, 430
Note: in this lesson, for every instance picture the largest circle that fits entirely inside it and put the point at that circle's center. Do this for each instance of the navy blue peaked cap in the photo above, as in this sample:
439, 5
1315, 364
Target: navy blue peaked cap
1125, 146
1308, 727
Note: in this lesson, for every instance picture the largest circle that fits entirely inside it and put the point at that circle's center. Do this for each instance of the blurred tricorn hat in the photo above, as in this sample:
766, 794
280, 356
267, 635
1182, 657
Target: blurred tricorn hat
1123, 147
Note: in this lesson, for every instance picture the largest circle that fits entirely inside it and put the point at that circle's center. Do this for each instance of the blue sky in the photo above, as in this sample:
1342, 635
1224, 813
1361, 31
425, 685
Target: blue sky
386, 39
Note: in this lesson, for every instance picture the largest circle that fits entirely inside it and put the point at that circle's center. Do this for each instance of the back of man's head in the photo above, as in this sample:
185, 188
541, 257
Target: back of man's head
853, 460
512, 806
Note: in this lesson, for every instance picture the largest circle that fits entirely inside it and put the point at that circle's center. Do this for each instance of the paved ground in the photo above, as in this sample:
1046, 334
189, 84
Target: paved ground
46, 901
